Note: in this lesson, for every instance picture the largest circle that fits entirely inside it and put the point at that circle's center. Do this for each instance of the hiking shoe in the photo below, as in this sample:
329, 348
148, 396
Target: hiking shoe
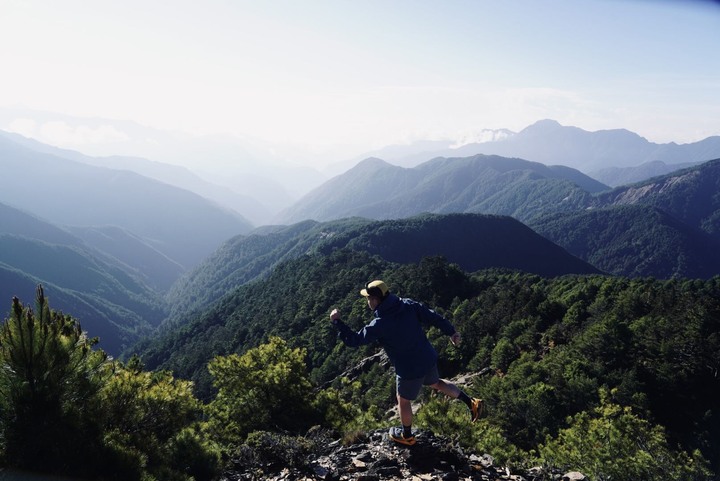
396, 434
477, 406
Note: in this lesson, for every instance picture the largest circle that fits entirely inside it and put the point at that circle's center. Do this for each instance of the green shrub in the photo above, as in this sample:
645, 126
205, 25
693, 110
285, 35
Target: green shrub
612, 443
450, 418
147, 421
265, 388
193, 454
273, 450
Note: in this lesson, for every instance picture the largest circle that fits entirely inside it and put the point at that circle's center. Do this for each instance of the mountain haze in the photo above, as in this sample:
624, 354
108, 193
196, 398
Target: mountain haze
549, 142
617, 176
113, 300
481, 184
175, 175
158, 270
182, 225
17, 222
685, 218
414, 153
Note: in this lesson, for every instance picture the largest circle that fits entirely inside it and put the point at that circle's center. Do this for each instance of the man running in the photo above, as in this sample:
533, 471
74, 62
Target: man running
398, 327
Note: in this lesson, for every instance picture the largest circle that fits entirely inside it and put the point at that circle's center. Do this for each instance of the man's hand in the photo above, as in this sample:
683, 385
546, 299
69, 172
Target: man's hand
455, 339
335, 315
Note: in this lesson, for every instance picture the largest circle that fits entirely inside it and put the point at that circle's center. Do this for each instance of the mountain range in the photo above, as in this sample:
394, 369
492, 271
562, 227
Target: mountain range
175, 175
555, 279
551, 143
251, 179
488, 184
472, 241
128, 247
178, 223
112, 300
680, 219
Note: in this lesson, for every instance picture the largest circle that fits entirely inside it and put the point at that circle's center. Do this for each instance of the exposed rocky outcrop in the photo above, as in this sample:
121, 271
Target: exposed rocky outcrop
373, 457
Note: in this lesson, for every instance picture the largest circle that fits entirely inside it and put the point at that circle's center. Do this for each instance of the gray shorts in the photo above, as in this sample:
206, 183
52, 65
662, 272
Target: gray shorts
410, 388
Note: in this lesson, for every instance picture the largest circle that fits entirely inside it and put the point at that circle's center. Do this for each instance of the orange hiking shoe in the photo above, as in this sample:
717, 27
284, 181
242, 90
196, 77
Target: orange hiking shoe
396, 434
477, 406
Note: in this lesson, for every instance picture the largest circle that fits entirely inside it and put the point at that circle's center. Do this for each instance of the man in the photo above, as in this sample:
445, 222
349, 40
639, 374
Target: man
398, 328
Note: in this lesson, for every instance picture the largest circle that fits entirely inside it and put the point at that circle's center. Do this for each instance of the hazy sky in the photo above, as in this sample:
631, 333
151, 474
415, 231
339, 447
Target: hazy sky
366, 72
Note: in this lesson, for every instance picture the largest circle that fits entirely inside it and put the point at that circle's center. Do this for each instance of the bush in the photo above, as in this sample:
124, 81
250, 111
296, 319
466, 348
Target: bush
450, 418
147, 420
267, 388
194, 455
273, 451
612, 443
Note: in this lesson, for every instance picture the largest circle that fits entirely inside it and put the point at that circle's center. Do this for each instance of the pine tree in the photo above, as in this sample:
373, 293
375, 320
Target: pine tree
49, 382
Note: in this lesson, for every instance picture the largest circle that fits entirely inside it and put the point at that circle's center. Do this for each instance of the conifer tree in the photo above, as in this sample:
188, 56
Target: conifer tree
49, 382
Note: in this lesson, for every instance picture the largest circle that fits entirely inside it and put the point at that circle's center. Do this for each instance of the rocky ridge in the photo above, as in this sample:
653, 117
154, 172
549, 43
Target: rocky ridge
372, 456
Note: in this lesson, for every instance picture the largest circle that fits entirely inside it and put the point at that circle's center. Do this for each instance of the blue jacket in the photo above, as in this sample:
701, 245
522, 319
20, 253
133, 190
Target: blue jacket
398, 327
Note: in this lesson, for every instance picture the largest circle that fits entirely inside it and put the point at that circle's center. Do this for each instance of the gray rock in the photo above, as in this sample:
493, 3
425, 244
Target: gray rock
374, 457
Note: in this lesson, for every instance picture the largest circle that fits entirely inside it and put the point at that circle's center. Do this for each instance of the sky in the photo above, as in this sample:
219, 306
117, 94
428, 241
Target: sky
359, 74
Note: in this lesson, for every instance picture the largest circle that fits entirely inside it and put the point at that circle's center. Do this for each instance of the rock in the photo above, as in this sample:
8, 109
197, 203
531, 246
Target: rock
485, 460
574, 476
320, 472
374, 457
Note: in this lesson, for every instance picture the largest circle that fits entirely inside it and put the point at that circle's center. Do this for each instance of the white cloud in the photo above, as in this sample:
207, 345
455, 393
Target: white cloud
23, 126
62, 134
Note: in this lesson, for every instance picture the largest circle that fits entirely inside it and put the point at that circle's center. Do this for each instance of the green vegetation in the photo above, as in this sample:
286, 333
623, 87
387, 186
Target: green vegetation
549, 347
486, 184
634, 241
112, 300
266, 386
473, 241
49, 383
613, 443
66, 408
601, 374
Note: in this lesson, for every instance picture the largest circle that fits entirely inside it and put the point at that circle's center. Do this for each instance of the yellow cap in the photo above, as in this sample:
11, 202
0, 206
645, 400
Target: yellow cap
375, 289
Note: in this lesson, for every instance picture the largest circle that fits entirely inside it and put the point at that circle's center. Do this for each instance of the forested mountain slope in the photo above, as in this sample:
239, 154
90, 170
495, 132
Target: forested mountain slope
480, 184
473, 241
114, 301
634, 241
559, 362
539, 195
669, 226
690, 195
107, 300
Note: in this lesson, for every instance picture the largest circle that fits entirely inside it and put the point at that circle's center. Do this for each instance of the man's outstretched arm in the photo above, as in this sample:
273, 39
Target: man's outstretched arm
366, 335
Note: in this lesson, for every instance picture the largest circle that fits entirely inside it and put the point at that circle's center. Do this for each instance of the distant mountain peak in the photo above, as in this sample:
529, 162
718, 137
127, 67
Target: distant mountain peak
546, 127
371, 164
545, 123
